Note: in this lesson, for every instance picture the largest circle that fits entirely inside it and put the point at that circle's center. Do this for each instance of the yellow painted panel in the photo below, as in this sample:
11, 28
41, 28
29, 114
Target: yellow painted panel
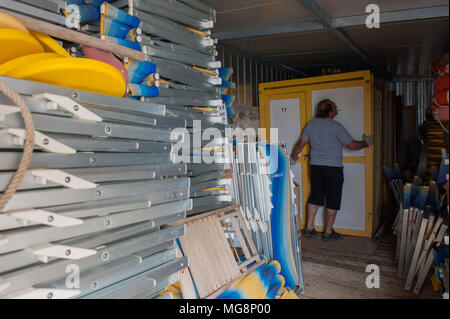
315, 80
354, 159
368, 130
313, 87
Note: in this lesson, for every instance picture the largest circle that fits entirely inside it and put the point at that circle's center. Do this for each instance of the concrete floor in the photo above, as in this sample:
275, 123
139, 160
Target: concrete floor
337, 270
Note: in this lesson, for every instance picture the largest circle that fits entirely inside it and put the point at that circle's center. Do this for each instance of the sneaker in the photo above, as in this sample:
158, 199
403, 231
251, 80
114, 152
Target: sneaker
310, 233
332, 236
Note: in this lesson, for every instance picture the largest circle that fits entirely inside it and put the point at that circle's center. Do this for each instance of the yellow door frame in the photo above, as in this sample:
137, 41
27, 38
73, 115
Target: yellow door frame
295, 89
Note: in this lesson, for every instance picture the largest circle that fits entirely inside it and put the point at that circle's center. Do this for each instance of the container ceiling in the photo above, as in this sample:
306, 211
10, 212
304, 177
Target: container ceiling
284, 31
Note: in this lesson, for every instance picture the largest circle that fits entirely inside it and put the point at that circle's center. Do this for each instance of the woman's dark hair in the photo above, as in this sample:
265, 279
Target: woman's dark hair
324, 108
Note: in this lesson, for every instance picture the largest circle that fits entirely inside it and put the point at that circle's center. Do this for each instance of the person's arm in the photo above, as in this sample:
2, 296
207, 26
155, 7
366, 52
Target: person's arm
303, 140
298, 148
367, 141
347, 140
357, 145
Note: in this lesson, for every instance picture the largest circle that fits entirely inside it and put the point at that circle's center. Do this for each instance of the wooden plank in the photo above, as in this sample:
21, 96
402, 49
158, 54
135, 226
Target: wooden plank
208, 247
74, 36
419, 244
216, 252
231, 261
248, 262
413, 240
431, 221
228, 216
428, 242
425, 269
228, 262
404, 231
241, 240
248, 236
201, 216
198, 268
229, 256
412, 216
399, 223
186, 244
186, 282
398, 232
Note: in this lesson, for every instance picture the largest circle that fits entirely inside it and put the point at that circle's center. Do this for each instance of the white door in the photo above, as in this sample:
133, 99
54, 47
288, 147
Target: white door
350, 101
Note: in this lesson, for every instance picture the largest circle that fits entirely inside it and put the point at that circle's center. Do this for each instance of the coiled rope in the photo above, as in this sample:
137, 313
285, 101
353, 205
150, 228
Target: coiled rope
16, 180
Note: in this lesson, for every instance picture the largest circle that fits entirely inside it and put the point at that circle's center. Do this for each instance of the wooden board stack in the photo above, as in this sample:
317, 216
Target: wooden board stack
418, 225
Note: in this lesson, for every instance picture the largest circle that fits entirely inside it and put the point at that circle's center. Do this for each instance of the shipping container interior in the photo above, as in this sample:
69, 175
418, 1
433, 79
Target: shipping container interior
148, 149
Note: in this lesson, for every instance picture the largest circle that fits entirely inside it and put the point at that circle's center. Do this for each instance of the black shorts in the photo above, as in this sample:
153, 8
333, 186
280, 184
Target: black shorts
326, 186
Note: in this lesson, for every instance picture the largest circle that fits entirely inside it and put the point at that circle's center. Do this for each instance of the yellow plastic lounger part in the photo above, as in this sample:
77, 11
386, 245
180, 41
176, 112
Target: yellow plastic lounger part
11, 65
76, 73
49, 44
16, 43
6, 21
